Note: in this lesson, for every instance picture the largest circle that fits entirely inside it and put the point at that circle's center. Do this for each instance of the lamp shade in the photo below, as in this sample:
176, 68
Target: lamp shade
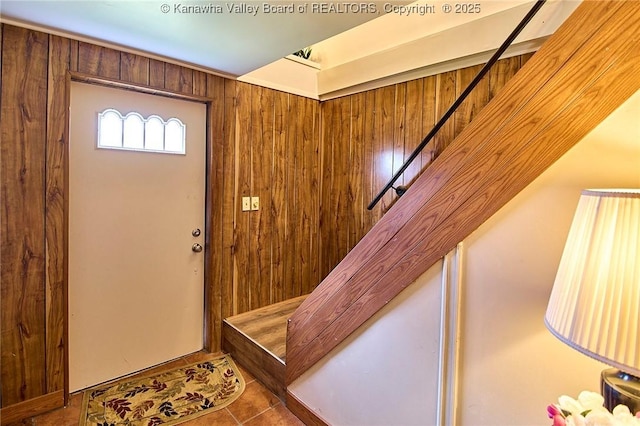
595, 302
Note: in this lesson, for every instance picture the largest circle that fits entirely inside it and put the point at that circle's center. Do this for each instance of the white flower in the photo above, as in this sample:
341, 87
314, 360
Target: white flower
623, 416
600, 418
591, 400
576, 420
589, 410
587, 401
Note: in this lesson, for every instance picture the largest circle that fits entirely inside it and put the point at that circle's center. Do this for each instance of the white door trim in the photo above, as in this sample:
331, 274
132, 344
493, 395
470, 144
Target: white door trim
450, 328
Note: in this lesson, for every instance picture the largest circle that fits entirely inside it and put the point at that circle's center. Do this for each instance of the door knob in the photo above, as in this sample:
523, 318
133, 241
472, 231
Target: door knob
195, 232
196, 248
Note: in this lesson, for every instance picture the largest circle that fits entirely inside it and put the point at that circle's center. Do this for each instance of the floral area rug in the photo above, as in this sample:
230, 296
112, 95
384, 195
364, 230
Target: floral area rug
166, 398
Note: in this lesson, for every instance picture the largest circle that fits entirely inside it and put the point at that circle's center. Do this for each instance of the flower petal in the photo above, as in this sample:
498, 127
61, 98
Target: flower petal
571, 405
579, 420
621, 410
600, 418
558, 420
590, 400
552, 410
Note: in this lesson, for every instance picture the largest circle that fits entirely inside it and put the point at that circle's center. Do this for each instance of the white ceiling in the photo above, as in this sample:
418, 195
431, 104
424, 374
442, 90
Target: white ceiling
231, 43
408, 44
353, 49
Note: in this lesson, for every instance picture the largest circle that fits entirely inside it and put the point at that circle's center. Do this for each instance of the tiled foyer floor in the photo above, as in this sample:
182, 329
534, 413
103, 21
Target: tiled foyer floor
257, 406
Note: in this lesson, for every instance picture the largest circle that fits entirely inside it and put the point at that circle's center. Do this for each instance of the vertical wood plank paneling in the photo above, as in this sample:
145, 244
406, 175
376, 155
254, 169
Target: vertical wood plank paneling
134, 68
525, 58
75, 55
342, 198
215, 295
97, 60
399, 130
357, 169
261, 223
338, 128
445, 97
200, 85
292, 273
279, 205
316, 187
23, 113
253, 235
56, 195
381, 172
243, 255
229, 201
414, 132
310, 197
501, 73
326, 155
395, 120
429, 119
368, 160
179, 79
384, 148
156, 73
476, 100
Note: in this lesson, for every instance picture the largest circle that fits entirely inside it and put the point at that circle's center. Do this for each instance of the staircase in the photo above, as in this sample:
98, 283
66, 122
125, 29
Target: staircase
257, 341
582, 73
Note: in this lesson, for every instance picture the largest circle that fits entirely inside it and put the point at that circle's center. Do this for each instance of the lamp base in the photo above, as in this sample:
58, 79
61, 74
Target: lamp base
619, 387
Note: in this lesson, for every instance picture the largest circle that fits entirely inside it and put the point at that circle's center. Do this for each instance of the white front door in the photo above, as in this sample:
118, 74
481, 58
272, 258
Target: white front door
136, 286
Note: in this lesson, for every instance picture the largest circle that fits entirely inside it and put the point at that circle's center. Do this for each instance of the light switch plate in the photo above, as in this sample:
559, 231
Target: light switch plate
255, 203
246, 204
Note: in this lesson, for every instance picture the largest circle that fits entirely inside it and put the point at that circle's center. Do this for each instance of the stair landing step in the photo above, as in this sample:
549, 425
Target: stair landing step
257, 341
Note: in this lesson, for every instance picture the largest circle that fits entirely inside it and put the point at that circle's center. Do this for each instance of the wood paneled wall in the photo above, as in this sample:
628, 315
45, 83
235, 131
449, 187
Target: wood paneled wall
366, 138
24, 132
262, 143
276, 141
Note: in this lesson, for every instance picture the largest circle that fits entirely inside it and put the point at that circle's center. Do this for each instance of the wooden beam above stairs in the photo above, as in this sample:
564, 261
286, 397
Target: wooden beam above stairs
579, 76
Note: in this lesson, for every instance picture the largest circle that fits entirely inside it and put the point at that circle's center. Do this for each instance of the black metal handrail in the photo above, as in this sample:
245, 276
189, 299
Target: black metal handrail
505, 45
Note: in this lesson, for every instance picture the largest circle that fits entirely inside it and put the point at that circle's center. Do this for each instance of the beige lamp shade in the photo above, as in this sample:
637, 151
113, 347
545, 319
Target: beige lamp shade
595, 302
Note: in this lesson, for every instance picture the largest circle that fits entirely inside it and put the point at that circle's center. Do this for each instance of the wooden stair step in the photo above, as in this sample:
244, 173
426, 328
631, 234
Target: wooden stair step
257, 341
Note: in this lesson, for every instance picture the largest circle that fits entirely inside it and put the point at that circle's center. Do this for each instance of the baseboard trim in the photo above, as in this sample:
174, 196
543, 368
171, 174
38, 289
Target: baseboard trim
32, 407
304, 413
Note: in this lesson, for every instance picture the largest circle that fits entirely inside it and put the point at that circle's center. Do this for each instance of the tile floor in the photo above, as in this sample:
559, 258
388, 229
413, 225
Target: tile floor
257, 406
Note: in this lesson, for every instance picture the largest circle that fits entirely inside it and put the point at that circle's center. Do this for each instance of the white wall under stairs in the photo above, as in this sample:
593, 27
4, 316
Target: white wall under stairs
380, 375
510, 367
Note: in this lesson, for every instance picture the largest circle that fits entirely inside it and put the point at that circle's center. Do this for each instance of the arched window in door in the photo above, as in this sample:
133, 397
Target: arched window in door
133, 132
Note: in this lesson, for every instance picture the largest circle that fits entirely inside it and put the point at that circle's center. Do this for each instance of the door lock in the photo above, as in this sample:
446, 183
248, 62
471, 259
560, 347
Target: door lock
197, 248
